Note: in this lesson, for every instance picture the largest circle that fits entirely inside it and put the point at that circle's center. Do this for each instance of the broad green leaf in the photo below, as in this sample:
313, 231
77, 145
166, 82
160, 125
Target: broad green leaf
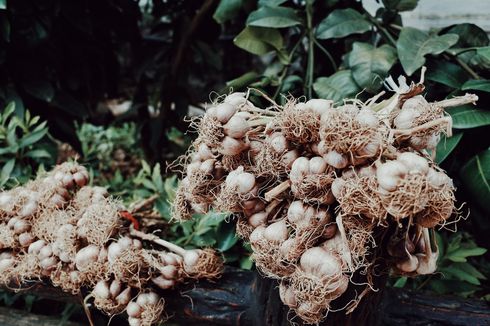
40, 89
446, 146
484, 52
470, 35
413, 45
370, 65
475, 176
38, 153
479, 85
227, 9
336, 87
467, 116
32, 138
259, 40
271, 3
6, 171
447, 73
400, 5
226, 236
274, 17
341, 23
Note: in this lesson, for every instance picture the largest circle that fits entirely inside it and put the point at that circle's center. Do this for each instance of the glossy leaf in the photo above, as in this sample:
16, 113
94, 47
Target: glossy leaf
336, 87
274, 17
479, 85
271, 3
400, 5
467, 116
6, 171
259, 40
475, 176
370, 65
413, 45
447, 73
446, 146
341, 23
226, 10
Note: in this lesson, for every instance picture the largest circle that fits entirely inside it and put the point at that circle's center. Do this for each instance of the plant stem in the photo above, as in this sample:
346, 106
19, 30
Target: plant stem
383, 30
153, 238
329, 56
277, 190
311, 57
457, 101
448, 55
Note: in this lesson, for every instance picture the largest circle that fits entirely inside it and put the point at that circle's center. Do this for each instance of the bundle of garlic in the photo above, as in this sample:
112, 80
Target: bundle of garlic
314, 186
58, 229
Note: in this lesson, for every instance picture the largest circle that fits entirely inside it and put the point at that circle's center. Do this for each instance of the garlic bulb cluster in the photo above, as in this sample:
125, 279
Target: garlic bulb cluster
313, 184
78, 242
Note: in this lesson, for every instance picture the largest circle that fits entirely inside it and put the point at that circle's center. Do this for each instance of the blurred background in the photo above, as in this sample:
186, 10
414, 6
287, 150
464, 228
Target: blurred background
111, 83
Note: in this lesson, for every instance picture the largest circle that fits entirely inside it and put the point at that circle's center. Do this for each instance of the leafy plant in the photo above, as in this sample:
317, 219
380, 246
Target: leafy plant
457, 268
205, 230
24, 146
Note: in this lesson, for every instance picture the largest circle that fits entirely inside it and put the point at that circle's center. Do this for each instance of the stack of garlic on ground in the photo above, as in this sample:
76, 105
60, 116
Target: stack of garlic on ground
59, 229
313, 184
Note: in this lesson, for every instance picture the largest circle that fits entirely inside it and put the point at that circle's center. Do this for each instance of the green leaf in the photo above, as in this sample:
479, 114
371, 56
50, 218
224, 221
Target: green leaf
414, 44
227, 9
447, 73
479, 85
461, 254
40, 89
470, 269
475, 176
341, 23
336, 87
470, 35
38, 153
246, 263
271, 3
6, 171
170, 187
466, 116
459, 274
259, 40
446, 146
400, 282
32, 138
242, 81
370, 65
226, 236
9, 109
274, 17
400, 5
